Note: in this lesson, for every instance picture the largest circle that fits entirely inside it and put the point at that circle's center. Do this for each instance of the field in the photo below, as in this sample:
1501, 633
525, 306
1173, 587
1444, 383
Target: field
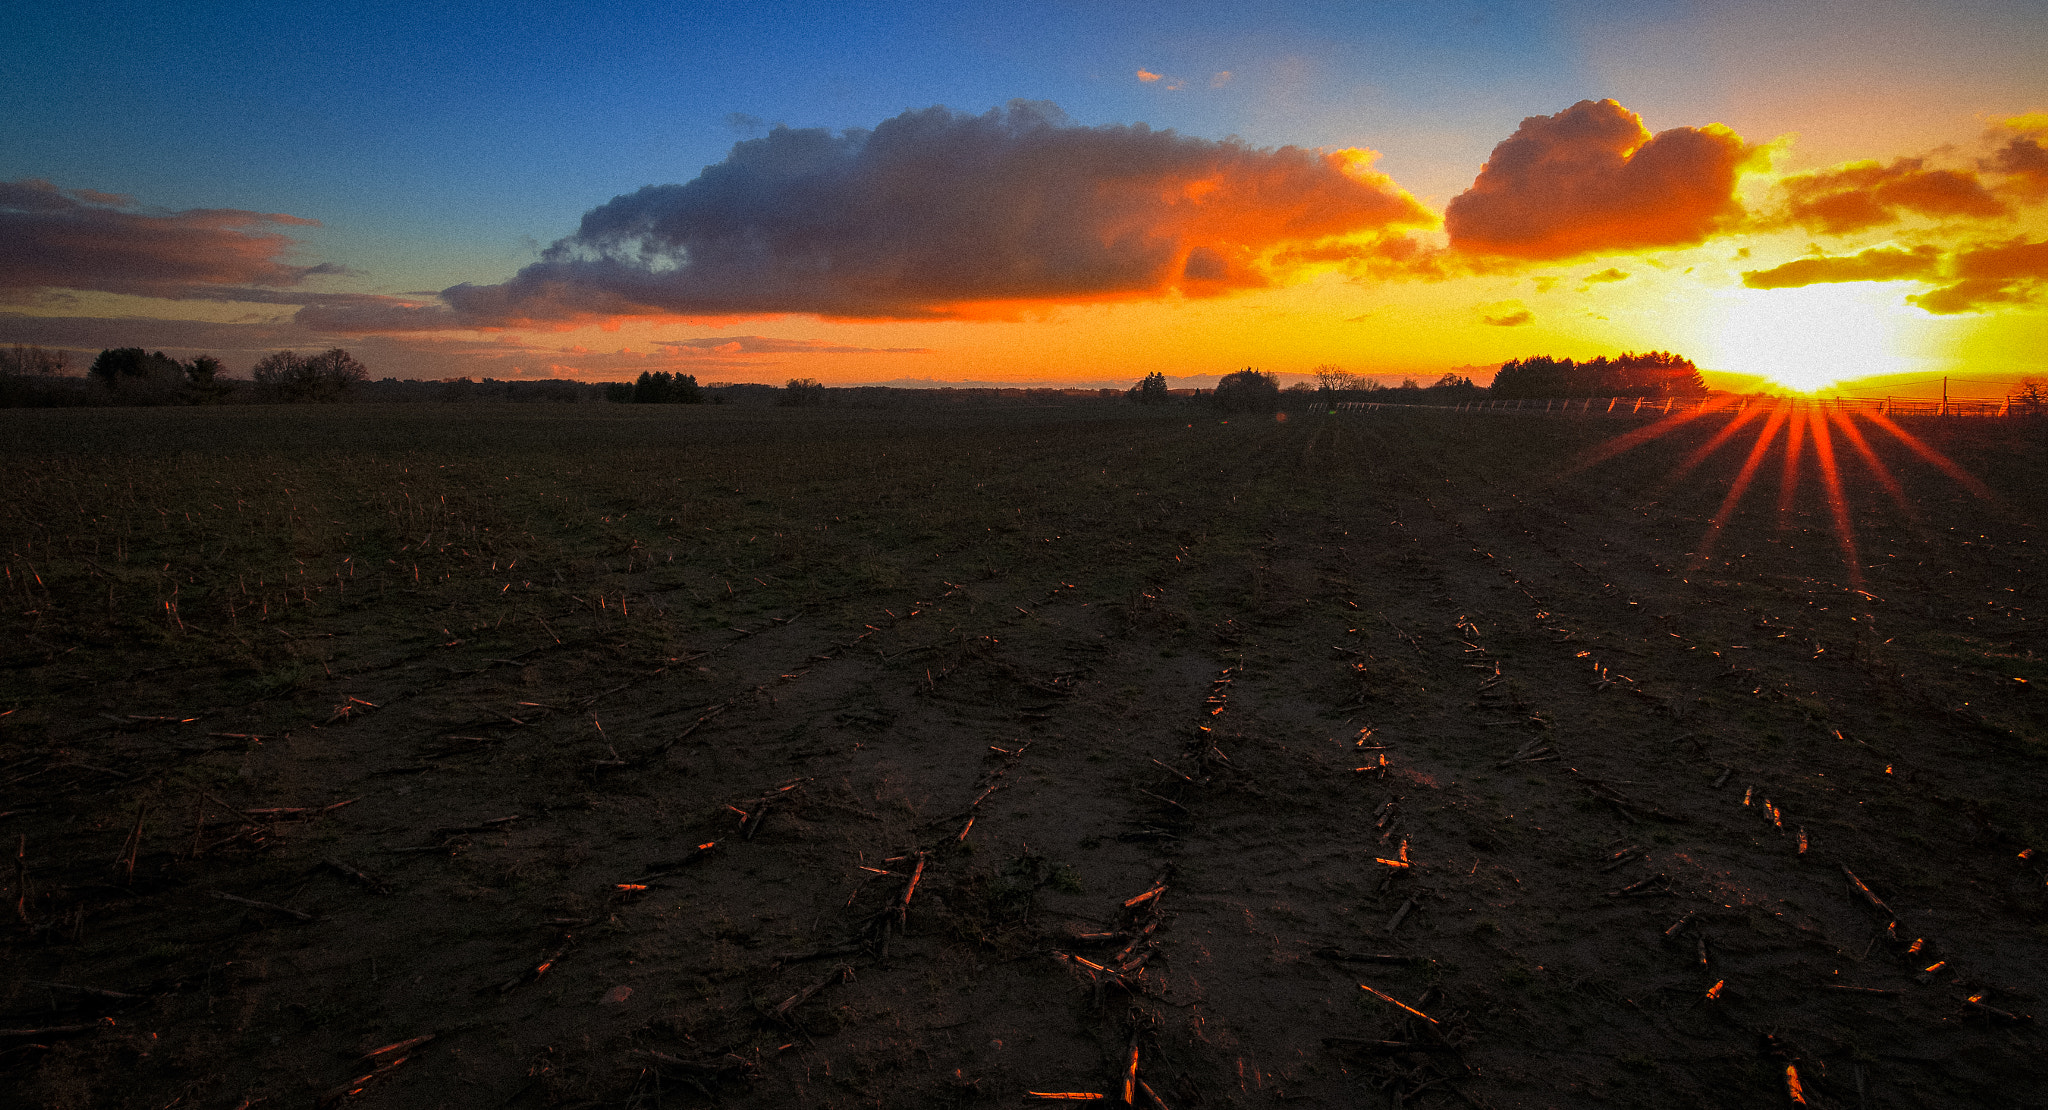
654, 756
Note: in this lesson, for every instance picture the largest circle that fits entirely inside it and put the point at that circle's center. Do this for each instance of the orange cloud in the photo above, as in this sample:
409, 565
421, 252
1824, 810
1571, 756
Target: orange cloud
1506, 314
1593, 178
2012, 273
770, 345
1148, 76
89, 240
2020, 157
1876, 264
937, 215
1861, 195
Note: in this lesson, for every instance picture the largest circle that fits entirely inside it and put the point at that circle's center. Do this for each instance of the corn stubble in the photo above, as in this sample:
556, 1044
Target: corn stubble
549, 755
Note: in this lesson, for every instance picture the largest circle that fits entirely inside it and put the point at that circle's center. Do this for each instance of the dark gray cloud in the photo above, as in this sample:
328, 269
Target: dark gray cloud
99, 332
935, 214
88, 240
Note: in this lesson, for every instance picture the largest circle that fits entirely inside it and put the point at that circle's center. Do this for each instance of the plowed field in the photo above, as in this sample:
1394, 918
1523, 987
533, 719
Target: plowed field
642, 756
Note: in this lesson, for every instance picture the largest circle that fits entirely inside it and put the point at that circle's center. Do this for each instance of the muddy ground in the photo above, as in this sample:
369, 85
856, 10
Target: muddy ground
598, 756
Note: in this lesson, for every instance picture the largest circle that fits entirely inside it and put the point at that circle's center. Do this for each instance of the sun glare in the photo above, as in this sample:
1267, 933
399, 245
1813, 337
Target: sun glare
1802, 433
1809, 338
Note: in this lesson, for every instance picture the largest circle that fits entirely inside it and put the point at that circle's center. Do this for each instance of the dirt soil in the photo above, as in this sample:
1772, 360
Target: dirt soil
595, 756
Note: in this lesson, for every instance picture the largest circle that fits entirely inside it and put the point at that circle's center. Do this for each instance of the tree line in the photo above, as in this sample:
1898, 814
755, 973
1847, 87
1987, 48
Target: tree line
659, 387
1653, 374
1251, 390
656, 388
32, 375
143, 377
133, 376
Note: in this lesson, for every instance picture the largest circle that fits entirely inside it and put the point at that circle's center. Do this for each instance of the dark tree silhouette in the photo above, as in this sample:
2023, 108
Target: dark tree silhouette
802, 393
137, 377
1655, 374
30, 361
203, 383
2031, 398
280, 376
1248, 390
336, 373
289, 376
1151, 390
1332, 379
124, 364
664, 388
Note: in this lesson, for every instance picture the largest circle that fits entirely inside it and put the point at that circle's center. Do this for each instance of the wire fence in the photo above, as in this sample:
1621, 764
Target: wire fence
1643, 406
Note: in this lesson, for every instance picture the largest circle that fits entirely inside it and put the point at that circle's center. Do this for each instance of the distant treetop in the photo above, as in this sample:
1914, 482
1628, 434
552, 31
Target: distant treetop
1248, 390
1654, 374
1152, 390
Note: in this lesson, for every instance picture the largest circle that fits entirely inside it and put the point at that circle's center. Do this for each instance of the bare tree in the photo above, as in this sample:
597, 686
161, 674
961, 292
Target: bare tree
280, 376
1336, 379
33, 362
2031, 398
289, 376
335, 373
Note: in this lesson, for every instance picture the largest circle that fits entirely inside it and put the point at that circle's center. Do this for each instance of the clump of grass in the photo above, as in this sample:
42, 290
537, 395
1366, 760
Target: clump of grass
1065, 879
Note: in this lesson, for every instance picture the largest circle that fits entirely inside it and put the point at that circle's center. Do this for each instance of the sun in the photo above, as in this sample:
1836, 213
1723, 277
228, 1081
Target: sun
1809, 338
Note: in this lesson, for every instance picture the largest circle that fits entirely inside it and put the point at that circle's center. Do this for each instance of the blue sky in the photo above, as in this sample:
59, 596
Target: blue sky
472, 126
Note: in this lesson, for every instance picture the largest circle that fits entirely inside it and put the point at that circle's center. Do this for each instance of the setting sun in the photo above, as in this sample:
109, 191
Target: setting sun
1809, 338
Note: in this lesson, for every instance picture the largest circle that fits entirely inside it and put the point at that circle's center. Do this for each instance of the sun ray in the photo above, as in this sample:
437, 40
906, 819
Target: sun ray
1788, 481
1629, 441
1838, 503
1741, 484
1699, 454
1963, 477
1878, 469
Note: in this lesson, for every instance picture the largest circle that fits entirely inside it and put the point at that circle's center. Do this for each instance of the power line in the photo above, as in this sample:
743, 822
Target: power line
1893, 387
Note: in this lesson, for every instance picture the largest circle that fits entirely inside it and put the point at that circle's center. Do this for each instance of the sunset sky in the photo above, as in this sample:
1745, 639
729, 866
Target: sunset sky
1049, 193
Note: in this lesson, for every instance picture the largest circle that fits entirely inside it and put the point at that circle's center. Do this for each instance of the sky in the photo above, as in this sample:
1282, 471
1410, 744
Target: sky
1849, 196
